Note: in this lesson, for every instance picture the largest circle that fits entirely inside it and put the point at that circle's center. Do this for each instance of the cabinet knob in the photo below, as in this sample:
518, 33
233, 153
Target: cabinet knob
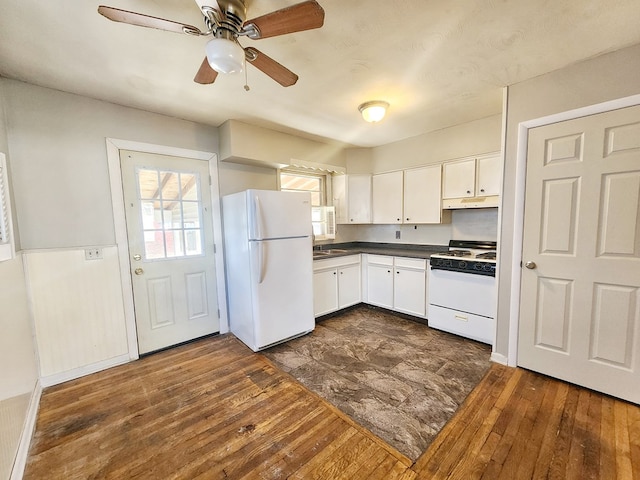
482, 190
388, 271
334, 273
469, 191
398, 219
407, 219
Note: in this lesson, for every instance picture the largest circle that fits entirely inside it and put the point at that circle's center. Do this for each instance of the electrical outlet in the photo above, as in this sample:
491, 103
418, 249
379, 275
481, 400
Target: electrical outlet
92, 253
397, 234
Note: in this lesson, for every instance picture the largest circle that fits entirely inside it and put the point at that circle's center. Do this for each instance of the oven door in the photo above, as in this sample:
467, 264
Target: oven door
464, 292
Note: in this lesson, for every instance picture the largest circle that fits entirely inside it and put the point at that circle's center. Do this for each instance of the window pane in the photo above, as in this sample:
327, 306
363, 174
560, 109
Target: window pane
148, 183
304, 182
170, 190
175, 247
315, 198
153, 244
170, 208
191, 215
172, 215
189, 186
193, 242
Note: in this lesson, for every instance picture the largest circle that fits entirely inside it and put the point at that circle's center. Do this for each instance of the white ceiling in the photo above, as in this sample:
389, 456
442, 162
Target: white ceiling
437, 62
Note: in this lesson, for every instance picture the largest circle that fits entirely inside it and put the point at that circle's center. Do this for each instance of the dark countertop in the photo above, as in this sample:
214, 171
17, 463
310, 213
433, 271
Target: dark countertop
391, 249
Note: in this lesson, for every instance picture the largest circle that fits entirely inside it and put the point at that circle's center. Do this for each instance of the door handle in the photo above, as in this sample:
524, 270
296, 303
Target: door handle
530, 265
138, 271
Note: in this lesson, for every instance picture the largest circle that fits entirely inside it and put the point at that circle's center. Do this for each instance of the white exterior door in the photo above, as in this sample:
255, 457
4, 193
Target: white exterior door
580, 291
171, 248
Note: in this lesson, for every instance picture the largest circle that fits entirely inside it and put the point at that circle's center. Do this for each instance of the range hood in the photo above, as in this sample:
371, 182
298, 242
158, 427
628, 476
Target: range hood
470, 202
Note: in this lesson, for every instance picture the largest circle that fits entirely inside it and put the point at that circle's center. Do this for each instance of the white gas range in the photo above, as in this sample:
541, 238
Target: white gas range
462, 290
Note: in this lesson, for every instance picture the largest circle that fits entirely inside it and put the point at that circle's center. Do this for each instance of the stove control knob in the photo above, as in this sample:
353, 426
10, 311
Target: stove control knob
447, 263
478, 266
462, 264
487, 267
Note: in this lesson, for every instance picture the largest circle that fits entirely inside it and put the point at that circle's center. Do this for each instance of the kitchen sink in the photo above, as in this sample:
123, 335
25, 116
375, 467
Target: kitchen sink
331, 251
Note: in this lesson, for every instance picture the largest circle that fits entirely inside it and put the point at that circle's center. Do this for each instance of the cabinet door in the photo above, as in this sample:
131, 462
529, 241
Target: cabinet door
339, 193
423, 195
325, 292
488, 176
459, 179
409, 292
387, 198
359, 198
349, 286
380, 285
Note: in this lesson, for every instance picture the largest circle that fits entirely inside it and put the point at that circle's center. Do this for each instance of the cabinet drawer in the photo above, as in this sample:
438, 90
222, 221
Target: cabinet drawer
380, 260
324, 263
416, 263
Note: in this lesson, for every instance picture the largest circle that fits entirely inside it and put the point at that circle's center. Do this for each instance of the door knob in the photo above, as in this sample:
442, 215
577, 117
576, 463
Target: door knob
138, 271
530, 265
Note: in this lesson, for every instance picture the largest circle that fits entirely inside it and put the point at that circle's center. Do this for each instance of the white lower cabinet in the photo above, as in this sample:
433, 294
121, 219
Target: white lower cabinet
410, 286
380, 281
397, 283
336, 284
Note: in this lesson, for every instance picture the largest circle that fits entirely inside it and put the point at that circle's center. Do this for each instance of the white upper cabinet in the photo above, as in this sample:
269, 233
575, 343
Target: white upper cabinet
387, 197
459, 179
488, 176
339, 192
423, 195
352, 198
472, 182
409, 196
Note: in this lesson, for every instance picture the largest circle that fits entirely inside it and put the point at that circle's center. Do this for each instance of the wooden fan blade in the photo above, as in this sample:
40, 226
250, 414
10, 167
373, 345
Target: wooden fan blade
268, 65
141, 20
296, 18
206, 74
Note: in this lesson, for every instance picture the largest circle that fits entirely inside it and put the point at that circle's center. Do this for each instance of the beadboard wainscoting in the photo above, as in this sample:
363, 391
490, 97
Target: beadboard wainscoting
78, 313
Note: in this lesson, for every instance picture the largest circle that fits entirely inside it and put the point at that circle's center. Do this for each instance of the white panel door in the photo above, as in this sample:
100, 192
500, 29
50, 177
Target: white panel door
359, 198
580, 294
409, 290
380, 285
170, 233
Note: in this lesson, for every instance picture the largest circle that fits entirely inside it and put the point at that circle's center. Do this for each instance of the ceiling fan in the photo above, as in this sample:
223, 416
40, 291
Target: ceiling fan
226, 21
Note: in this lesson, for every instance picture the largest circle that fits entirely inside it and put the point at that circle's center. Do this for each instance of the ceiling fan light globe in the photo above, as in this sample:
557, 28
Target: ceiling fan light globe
225, 56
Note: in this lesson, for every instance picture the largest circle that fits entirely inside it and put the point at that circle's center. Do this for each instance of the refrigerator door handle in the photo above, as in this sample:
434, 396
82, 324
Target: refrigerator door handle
257, 220
261, 261
258, 259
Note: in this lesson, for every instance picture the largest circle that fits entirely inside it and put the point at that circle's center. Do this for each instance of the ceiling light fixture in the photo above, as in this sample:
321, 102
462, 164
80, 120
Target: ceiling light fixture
373, 111
224, 55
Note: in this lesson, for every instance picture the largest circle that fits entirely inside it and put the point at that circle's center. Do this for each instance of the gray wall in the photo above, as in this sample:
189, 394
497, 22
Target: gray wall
603, 78
59, 160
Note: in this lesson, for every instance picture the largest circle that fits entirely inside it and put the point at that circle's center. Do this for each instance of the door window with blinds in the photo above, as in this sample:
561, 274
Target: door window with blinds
171, 213
6, 228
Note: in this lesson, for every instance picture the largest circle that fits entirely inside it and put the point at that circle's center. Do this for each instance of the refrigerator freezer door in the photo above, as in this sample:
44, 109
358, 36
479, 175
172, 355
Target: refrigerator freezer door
275, 214
283, 300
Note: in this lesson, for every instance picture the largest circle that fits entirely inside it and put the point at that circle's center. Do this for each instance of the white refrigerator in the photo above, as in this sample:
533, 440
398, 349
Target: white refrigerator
269, 265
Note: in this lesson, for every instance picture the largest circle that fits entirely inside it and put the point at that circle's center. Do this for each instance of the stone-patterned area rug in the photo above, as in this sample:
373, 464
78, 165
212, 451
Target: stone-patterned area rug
398, 378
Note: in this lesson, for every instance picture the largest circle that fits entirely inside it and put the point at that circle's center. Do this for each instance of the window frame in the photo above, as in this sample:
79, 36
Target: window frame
325, 182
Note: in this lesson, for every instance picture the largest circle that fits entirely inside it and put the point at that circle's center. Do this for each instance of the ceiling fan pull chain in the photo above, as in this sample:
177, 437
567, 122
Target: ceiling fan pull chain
246, 82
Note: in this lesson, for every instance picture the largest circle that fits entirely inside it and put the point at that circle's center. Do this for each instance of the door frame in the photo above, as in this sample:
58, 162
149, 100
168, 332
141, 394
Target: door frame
114, 146
520, 183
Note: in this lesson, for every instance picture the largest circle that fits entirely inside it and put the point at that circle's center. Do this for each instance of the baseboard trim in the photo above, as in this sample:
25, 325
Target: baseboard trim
22, 454
499, 358
57, 378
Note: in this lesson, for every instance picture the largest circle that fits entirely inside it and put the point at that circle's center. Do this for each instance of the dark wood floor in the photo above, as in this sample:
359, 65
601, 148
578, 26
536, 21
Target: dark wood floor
213, 409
